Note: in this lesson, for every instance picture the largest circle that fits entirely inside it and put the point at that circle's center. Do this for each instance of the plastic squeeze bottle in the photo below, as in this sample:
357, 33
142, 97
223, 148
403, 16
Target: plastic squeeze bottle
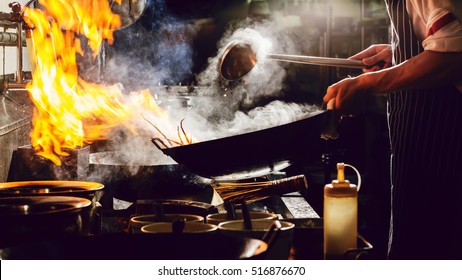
340, 216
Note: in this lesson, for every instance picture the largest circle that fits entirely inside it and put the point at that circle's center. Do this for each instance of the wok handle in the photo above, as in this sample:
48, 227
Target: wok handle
288, 185
330, 131
159, 143
271, 235
230, 210
246, 216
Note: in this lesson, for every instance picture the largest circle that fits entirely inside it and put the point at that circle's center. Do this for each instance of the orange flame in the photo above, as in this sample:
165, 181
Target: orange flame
68, 110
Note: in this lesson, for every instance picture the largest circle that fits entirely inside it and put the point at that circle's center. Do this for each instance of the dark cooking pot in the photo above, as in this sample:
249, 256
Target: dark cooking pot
29, 218
89, 190
255, 153
140, 247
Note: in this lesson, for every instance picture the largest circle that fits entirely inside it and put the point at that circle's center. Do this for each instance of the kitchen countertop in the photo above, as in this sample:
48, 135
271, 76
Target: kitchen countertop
15, 111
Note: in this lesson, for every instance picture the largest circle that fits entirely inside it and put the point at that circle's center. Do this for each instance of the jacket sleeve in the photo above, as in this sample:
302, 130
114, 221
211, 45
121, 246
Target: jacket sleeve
440, 22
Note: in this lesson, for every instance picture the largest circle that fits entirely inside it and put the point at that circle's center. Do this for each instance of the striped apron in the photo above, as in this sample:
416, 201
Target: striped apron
425, 128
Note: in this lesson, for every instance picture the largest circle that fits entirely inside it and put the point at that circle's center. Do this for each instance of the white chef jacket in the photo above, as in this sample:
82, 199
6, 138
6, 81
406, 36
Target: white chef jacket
437, 23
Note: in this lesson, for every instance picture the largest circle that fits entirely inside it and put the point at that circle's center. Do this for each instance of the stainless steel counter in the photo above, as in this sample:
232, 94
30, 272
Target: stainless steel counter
15, 126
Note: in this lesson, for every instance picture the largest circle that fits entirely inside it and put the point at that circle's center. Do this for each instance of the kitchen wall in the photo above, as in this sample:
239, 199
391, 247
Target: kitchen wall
15, 110
8, 54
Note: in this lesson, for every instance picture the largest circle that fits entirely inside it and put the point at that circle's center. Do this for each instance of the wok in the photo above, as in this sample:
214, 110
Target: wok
255, 153
145, 179
119, 246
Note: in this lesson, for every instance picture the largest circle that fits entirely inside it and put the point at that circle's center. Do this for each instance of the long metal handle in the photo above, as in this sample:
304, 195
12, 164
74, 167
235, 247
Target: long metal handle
316, 60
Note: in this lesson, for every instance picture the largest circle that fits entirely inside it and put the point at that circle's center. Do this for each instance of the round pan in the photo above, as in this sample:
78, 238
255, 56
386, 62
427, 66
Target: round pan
255, 153
139, 247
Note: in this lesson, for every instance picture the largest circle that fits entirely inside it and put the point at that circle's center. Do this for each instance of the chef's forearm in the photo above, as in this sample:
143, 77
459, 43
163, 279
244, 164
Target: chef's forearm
424, 70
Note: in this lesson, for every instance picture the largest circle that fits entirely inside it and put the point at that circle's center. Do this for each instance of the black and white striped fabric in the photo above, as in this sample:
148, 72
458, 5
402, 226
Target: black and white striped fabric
426, 164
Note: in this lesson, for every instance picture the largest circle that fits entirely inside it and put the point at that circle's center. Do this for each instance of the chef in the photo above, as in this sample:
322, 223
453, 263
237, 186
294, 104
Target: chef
422, 73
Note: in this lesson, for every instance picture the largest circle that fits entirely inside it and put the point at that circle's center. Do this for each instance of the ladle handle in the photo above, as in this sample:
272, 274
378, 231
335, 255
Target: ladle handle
271, 235
246, 216
316, 60
230, 210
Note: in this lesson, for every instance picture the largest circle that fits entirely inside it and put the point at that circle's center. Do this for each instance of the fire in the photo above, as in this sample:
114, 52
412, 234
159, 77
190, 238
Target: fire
69, 111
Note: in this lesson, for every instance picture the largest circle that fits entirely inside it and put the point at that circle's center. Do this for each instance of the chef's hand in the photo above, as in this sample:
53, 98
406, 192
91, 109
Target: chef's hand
375, 57
350, 95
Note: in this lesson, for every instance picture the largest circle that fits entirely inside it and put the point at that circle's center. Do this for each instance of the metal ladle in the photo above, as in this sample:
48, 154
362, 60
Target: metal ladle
129, 11
239, 59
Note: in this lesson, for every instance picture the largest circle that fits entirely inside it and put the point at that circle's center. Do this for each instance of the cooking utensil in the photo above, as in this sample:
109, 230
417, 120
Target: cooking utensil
129, 11
246, 216
238, 60
145, 179
257, 190
252, 154
29, 218
230, 211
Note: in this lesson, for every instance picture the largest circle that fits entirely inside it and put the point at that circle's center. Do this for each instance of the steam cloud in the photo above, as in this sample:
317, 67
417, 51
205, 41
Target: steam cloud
216, 109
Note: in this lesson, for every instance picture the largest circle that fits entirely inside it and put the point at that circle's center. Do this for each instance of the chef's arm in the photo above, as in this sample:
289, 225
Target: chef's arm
426, 69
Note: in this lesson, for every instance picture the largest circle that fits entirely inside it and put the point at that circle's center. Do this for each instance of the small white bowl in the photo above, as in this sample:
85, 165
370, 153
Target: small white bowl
189, 228
218, 218
137, 222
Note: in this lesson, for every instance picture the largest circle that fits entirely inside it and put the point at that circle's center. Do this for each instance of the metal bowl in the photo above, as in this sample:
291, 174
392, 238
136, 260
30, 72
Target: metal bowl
29, 218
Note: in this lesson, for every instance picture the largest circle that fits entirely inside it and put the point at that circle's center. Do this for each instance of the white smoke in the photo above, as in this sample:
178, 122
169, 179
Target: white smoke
215, 109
